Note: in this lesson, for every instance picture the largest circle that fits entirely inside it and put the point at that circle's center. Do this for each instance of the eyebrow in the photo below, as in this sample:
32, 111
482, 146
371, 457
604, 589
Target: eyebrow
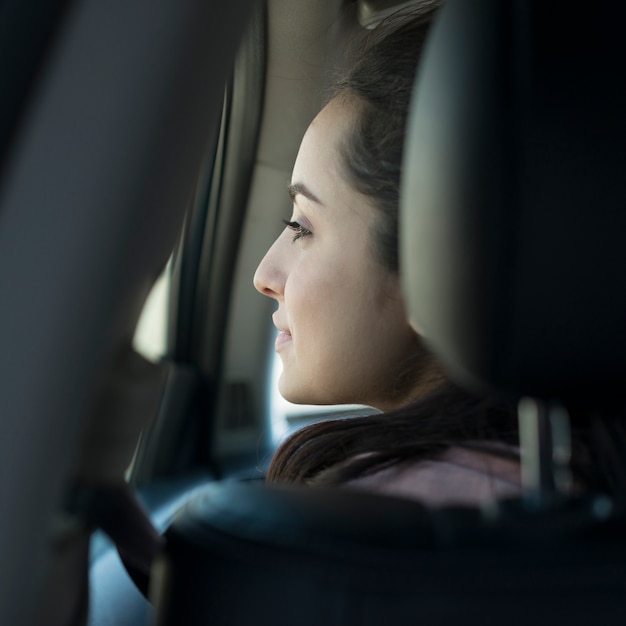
302, 190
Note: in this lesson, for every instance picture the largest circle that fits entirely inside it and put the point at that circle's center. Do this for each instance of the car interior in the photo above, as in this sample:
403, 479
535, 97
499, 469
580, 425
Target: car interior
145, 152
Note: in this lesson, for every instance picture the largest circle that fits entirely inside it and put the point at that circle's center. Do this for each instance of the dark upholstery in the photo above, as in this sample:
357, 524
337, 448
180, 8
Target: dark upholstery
514, 198
245, 553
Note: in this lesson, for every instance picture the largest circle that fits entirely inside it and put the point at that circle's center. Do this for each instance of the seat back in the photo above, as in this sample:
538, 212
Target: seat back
514, 198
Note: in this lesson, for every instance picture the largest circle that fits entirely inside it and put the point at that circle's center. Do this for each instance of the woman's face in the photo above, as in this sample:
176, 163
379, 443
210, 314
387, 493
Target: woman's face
343, 331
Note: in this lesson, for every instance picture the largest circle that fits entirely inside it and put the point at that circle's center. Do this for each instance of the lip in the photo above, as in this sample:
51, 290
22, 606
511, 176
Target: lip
282, 339
284, 336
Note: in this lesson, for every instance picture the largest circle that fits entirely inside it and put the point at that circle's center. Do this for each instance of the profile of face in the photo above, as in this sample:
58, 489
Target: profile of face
344, 336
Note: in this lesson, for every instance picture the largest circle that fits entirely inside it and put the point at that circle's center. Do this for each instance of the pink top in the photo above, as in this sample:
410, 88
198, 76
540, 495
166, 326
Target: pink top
460, 476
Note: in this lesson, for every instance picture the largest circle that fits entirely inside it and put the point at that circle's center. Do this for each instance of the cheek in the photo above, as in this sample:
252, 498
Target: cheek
382, 318
308, 293
334, 308
319, 306
336, 291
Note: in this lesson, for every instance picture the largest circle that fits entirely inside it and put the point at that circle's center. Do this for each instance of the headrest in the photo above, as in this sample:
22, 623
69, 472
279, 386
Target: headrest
513, 206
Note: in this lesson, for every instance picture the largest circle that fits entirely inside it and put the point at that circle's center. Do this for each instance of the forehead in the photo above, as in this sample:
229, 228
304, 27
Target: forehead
319, 156
336, 117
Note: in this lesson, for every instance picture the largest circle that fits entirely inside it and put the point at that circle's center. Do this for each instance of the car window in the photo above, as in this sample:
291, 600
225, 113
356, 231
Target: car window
150, 338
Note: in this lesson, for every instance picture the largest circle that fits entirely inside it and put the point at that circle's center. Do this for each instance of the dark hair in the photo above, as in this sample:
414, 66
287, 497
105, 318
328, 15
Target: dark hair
335, 451
372, 152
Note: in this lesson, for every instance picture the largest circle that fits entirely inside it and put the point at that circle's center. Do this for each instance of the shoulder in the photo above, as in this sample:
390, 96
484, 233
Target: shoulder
459, 476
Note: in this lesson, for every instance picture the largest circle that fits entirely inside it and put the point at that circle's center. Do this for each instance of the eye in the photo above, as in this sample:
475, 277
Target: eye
298, 230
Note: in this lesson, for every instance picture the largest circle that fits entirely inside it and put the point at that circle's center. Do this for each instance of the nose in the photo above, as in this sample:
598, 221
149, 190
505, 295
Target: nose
269, 278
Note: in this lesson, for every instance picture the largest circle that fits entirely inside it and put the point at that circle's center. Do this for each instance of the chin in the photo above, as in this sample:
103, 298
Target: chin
302, 389
298, 394
291, 393
297, 398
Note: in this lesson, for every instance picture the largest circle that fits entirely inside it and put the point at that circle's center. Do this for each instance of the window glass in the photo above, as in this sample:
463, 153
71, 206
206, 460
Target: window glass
150, 338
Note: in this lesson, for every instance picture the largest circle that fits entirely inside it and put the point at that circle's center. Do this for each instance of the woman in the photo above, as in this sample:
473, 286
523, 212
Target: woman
344, 335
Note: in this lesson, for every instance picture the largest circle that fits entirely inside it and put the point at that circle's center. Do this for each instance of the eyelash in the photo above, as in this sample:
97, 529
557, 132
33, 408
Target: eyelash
298, 230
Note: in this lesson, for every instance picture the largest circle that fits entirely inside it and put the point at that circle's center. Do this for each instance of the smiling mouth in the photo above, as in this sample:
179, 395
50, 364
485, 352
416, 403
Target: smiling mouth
283, 339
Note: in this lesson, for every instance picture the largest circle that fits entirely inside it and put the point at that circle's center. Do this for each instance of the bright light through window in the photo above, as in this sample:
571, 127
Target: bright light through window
150, 338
